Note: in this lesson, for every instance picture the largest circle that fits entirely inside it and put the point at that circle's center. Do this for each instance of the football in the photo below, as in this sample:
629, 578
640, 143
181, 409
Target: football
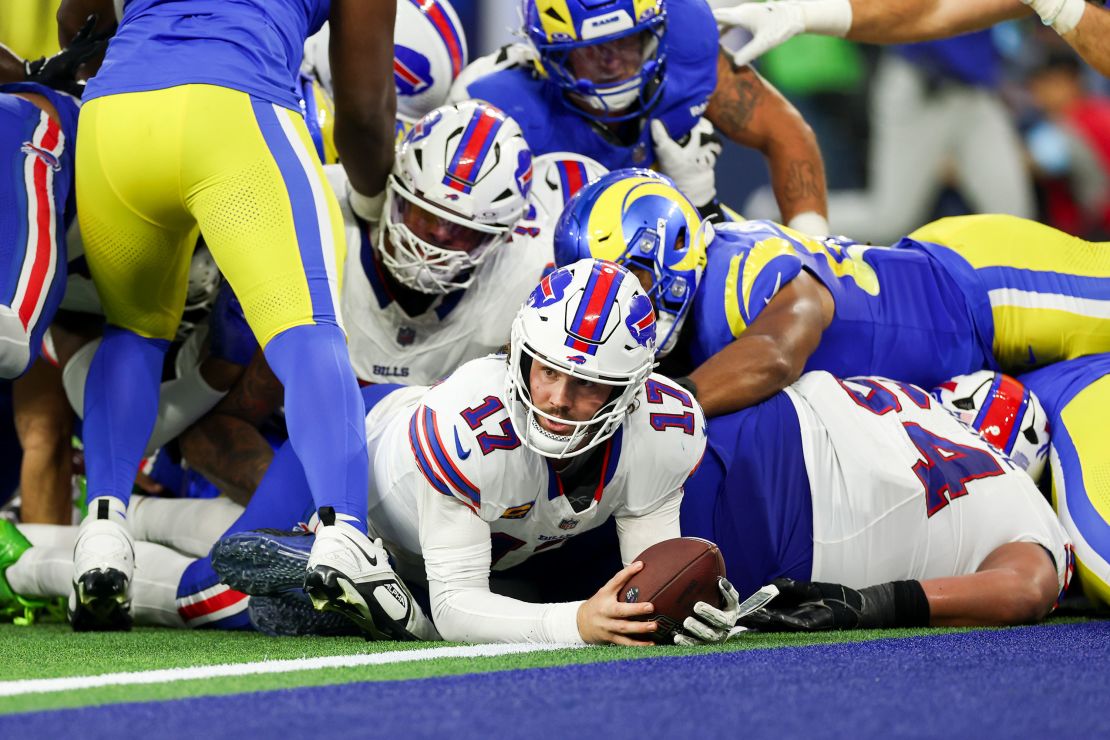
677, 574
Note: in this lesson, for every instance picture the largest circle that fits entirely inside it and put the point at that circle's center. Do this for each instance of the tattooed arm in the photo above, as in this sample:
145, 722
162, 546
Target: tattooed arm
226, 445
747, 109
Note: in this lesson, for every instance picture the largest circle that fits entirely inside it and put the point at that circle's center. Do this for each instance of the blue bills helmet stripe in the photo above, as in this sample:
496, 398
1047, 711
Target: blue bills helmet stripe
477, 139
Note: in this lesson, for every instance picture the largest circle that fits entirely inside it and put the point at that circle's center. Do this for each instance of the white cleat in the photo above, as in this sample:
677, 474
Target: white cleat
103, 566
350, 574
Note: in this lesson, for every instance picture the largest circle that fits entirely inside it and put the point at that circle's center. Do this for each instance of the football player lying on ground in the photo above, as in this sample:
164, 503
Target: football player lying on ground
769, 303
576, 422
870, 505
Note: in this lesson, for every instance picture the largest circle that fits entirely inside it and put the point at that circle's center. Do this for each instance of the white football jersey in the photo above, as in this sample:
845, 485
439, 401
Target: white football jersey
389, 346
902, 489
456, 440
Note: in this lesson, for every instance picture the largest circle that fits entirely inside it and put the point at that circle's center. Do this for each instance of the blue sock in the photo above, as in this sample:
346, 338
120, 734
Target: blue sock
281, 501
202, 601
121, 405
324, 414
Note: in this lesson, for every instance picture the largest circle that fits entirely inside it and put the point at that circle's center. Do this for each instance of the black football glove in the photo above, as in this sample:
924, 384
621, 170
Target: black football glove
803, 606
59, 71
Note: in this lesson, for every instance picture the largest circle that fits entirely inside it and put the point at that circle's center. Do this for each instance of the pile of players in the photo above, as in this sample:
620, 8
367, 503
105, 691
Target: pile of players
428, 369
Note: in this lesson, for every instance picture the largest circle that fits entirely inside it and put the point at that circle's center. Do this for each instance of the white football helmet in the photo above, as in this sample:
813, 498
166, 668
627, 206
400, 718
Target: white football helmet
429, 51
590, 320
1004, 412
459, 185
556, 177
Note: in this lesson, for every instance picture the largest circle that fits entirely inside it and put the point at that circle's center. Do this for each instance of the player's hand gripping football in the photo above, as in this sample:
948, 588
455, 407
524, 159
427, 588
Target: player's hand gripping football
60, 70
690, 160
605, 619
802, 606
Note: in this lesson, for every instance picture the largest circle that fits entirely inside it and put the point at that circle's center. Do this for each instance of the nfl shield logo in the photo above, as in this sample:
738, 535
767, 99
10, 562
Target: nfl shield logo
406, 335
568, 524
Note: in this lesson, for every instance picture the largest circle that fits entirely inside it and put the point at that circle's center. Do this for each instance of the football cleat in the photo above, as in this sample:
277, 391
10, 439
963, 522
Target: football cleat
350, 574
103, 564
291, 614
263, 562
19, 609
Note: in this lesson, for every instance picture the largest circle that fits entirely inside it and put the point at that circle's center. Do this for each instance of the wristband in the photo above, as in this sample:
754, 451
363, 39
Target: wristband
1062, 15
812, 223
827, 17
894, 604
367, 207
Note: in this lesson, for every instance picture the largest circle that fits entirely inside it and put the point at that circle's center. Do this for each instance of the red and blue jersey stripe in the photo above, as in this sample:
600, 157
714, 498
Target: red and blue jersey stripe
477, 140
435, 461
594, 308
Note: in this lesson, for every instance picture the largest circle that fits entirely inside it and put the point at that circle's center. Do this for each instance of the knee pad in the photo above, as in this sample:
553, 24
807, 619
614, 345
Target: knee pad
15, 344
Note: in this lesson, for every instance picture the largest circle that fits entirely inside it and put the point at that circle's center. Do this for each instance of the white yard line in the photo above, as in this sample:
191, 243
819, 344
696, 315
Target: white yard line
167, 675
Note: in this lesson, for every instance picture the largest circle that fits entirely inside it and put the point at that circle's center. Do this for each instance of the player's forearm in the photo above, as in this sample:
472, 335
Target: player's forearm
746, 109
1016, 585
11, 66
905, 21
469, 612
365, 145
228, 451
1089, 38
747, 371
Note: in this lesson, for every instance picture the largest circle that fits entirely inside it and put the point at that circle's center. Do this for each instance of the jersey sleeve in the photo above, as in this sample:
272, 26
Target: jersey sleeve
444, 449
669, 439
756, 265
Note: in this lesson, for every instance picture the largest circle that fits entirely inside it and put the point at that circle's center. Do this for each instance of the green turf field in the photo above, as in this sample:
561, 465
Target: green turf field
51, 651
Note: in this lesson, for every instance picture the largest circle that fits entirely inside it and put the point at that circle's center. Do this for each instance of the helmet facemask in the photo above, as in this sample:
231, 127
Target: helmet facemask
422, 265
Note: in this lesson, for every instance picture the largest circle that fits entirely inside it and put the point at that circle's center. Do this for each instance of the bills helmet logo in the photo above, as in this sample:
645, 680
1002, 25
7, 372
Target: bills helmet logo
576, 359
524, 172
48, 158
423, 127
412, 72
551, 289
641, 321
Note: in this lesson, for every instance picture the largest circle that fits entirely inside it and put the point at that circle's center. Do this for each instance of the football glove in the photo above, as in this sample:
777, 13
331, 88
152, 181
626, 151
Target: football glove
690, 160
803, 606
714, 625
59, 71
772, 23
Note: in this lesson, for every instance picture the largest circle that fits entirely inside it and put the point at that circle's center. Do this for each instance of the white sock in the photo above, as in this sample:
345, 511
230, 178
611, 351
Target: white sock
42, 571
50, 535
190, 526
158, 571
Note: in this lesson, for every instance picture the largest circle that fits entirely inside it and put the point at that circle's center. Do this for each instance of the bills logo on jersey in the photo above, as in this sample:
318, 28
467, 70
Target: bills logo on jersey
524, 172
423, 127
641, 321
551, 289
55, 164
412, 72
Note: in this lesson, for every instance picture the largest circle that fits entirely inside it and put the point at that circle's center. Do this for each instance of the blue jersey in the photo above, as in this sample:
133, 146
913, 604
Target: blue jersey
751, 495
250, 45
913, 312
551, 125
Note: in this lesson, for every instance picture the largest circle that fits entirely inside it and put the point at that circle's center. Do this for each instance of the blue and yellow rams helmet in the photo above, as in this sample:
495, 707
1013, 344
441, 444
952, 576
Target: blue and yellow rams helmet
589, 29
639, 219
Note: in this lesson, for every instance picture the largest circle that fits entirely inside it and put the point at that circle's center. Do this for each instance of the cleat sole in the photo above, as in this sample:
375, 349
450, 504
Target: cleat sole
258, 565
102, 602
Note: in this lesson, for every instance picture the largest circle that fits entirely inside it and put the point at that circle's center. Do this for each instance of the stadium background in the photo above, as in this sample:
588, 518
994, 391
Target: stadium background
907, 683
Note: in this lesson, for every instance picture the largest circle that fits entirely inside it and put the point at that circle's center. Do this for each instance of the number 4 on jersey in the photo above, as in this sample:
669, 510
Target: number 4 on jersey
948, 467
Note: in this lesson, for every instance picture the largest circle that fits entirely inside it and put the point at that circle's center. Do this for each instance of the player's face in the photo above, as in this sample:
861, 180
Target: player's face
565, 396
437, 230
608, 62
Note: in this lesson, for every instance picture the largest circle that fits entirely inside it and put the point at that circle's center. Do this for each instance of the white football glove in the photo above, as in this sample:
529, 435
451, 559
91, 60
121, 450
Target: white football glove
1062, 15
771, 23
367, 207
690, 161
718, 625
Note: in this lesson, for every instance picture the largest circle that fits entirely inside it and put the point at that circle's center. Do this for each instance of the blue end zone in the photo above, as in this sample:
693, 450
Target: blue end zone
1037, 682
